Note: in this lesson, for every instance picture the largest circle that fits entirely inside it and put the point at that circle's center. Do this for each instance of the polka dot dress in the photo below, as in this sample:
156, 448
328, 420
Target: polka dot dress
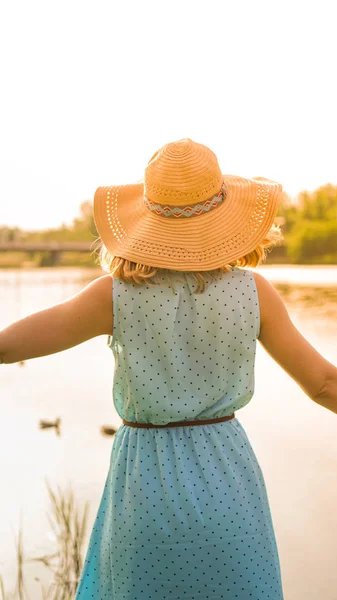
184, 514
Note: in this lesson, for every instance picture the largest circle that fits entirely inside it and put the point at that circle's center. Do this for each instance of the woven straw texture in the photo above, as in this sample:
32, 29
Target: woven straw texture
185, 174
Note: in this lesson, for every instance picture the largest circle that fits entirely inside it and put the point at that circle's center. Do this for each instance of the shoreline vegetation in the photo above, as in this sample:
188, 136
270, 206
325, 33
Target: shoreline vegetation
69, 528
22, 260
308, 223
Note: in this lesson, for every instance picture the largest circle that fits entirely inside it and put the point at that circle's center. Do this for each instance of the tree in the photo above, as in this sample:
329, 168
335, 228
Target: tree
320, 204
312, 239
85, 222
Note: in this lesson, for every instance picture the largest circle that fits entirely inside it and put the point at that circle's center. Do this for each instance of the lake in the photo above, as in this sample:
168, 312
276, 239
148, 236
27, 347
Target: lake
294, 439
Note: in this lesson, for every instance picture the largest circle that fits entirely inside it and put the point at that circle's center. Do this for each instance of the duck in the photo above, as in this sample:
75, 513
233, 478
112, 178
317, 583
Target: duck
43, 424
108, 430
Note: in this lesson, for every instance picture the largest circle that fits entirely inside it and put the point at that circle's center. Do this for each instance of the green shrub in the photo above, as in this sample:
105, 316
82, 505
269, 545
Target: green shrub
312, 239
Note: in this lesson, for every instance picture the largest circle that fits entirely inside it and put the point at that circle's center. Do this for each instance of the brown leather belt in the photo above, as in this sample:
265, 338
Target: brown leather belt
179, 423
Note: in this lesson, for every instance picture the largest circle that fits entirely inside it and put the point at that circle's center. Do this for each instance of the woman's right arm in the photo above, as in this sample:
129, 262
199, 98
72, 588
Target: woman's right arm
81, 317
286, 345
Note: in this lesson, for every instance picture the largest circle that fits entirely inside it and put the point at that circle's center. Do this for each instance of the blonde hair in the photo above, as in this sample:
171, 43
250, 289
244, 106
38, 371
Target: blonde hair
137, 273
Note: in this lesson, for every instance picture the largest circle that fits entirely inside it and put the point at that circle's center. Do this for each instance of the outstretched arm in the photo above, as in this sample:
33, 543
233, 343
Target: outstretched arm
288, 347
86, 315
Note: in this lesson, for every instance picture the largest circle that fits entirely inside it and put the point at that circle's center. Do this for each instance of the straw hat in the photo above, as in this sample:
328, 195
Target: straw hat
186, 215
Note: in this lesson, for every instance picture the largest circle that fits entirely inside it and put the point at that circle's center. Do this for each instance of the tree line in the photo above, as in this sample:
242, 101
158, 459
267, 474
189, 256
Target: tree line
309, 226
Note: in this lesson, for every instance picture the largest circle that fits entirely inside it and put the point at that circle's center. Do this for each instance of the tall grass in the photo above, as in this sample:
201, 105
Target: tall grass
19, 592
69, 527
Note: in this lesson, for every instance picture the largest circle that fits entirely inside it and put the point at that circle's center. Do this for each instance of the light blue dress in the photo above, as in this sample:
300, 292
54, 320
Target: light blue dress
184, 514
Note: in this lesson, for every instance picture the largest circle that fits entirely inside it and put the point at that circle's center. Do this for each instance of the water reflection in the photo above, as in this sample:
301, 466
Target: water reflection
316, 275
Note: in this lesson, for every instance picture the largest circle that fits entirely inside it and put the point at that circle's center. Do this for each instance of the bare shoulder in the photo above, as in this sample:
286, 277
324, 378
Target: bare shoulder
102, 288
103, 284
270, 302
285, 343
94, 302
275, 321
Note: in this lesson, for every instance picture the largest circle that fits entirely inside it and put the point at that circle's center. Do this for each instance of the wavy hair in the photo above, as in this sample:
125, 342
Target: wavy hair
140, 274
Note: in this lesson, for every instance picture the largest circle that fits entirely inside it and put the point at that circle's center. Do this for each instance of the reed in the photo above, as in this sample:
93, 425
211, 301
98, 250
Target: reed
69, 526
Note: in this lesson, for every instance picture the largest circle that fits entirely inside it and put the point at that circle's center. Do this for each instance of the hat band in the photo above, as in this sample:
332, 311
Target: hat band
191, 210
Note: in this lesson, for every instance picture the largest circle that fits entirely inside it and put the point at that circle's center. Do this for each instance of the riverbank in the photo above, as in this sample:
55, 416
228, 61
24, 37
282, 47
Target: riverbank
25, 260
21, 262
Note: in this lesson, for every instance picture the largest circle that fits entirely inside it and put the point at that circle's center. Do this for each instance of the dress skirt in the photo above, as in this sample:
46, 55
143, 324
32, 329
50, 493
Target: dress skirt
184, 515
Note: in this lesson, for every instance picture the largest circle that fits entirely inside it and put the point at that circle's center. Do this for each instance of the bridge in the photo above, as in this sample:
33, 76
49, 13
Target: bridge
55, 248
46, 246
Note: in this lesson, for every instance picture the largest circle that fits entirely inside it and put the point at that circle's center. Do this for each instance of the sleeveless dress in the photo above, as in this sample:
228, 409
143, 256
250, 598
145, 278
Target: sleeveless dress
184, 514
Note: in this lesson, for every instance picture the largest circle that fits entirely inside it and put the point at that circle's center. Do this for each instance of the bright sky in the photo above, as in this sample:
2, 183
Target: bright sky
90, 90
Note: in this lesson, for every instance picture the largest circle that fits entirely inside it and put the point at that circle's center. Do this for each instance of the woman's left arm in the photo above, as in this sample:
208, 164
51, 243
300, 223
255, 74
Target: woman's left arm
86, 315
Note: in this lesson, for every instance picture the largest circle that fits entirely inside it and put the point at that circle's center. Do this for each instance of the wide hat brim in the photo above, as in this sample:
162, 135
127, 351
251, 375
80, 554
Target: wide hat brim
234, 228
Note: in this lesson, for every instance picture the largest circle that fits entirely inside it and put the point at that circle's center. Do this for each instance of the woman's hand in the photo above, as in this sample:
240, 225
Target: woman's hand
86, 315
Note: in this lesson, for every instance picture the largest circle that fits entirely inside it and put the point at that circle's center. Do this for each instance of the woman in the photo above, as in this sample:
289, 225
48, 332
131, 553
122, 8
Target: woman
185, 511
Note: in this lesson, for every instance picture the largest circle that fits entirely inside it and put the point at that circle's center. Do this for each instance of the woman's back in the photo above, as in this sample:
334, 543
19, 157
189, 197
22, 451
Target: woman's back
184, 355
276, 332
